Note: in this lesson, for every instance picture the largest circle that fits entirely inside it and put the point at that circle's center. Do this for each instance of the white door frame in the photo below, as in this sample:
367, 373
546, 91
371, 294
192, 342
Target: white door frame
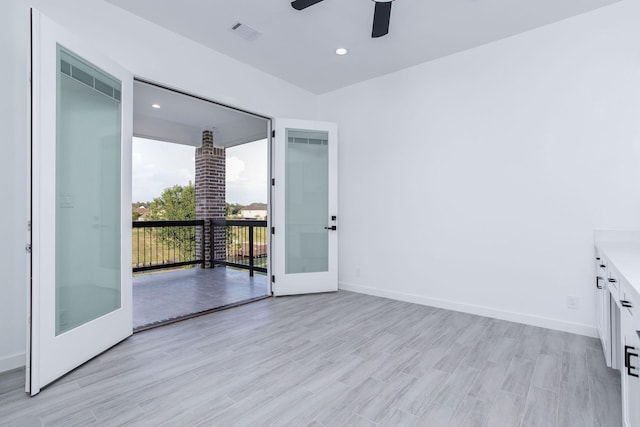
269, 123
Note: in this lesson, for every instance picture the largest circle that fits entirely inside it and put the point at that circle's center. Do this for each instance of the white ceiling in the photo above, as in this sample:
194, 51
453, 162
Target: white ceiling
298, 46
182, 118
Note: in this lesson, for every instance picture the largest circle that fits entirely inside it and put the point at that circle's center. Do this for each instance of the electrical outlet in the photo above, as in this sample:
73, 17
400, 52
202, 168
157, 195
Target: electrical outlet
573, 302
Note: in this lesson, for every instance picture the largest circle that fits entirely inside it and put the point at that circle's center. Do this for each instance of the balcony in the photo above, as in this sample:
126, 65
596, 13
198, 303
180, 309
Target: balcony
230, 259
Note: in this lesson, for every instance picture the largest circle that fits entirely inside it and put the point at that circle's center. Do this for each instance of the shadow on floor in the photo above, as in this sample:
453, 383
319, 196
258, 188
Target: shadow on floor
161, 297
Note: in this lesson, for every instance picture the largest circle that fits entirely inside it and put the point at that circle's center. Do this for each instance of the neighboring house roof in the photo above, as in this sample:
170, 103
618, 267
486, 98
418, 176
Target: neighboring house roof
255, 207
142, 210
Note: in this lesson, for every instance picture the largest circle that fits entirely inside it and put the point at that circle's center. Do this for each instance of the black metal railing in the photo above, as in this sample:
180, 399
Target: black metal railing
246, 244
166, 244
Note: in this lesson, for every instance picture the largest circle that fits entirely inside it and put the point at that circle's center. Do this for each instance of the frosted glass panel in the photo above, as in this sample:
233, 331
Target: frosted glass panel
306, 201
87, 193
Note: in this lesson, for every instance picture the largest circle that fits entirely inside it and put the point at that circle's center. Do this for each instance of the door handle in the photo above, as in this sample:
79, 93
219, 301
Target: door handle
626, 303
333, 227
627, 360
598, 278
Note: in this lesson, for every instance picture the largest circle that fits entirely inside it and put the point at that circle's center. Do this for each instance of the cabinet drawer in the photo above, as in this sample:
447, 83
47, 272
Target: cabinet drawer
614, 286
602, 273
629, 303
613, 282
601, 267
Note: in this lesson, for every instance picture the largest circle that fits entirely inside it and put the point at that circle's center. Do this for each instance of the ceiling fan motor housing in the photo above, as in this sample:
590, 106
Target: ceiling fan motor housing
381, 15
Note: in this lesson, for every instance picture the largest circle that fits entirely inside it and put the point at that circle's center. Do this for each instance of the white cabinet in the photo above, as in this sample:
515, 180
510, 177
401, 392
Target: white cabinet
630, 381
617, 287
630, 372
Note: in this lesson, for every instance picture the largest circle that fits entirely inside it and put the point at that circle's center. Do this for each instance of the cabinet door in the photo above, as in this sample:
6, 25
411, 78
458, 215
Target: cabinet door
603, 320
599, 303
604, 327
600, 316
630, 373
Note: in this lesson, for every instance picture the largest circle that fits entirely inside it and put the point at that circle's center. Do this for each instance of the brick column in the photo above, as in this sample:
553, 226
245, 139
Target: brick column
210, 198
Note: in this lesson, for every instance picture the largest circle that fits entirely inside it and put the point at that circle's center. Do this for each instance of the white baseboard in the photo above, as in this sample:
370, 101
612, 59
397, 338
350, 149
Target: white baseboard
8, 363
527, 319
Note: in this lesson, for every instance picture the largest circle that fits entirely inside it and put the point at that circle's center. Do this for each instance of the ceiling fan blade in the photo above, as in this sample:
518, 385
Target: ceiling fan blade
381, 18
303, 4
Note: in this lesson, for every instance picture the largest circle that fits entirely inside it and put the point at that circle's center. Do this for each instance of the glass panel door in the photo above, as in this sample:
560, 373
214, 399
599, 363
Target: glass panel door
304, 201
81, 204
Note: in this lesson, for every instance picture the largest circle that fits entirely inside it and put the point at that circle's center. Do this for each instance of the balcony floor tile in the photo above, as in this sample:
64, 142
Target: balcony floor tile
163, 296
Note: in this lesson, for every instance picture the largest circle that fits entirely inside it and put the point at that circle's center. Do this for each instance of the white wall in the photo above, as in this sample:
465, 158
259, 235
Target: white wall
149, 52
513, 153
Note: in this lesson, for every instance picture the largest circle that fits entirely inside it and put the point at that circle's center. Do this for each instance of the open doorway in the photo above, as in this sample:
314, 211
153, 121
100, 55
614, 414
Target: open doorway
200, 206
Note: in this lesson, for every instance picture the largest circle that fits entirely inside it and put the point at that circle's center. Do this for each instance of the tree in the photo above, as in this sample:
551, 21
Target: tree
176, 203
233, 209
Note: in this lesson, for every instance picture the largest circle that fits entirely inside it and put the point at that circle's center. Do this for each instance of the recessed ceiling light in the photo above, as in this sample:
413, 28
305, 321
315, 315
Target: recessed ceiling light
341, 51
155, 106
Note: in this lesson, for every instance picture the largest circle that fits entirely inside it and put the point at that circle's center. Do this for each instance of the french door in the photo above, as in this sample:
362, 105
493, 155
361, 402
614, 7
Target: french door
305, 206
81, 192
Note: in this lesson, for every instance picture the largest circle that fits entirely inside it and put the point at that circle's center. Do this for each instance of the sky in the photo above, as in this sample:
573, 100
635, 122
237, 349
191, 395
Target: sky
159, 165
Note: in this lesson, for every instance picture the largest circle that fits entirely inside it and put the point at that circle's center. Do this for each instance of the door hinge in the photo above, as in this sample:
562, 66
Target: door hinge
27, 248
29, 225
273, 181
273, 279
273, 230
273, 133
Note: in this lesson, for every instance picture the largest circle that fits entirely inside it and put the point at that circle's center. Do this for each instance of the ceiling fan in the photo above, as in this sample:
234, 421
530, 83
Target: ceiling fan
381, 15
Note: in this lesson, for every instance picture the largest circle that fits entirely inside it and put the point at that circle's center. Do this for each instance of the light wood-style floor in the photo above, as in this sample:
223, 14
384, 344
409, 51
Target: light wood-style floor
332, 360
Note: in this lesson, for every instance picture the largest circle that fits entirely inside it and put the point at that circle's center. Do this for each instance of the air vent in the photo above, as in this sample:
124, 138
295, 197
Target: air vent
309, 141
93, 82
245, 31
